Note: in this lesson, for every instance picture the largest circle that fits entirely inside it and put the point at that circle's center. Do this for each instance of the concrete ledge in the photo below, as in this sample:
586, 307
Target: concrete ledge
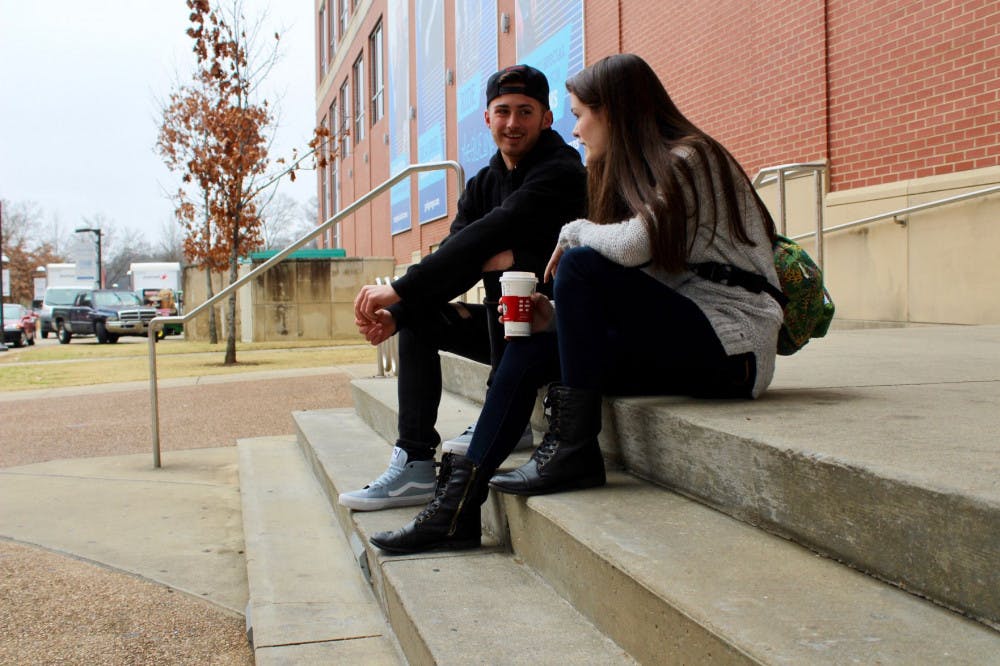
663, 575
876, 447
305, 586
446, 608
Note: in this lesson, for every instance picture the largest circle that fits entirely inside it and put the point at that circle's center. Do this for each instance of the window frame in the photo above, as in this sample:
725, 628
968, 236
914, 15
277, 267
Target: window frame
358, 75
344, 119
376, 70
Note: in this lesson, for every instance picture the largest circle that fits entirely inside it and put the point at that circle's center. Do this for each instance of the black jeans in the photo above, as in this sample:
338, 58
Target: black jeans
443, 328
620, 332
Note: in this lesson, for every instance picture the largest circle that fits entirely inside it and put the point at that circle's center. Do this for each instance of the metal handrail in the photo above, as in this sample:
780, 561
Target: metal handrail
157, 323
906, 211
784, 172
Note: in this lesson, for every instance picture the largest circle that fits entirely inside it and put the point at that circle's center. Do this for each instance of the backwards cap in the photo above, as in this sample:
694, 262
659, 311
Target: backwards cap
521, 80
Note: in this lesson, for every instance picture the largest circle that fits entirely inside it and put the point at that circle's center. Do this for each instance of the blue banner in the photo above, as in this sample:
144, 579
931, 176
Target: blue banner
432, 187
398, 26
476, 60
550, 38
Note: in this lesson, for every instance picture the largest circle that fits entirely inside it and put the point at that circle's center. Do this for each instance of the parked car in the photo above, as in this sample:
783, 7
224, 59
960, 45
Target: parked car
105, 313
18, 325
55, 297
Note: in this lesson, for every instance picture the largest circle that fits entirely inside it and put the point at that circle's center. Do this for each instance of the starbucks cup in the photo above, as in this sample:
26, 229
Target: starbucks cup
516, 288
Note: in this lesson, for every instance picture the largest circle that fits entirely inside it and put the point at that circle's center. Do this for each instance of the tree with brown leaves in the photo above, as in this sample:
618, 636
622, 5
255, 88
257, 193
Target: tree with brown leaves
215, 133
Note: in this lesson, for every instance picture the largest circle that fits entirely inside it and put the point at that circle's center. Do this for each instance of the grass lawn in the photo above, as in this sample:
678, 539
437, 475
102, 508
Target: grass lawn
84, 362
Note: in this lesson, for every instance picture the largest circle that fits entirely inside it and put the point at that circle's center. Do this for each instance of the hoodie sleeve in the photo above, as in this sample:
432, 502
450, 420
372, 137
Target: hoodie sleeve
551, 193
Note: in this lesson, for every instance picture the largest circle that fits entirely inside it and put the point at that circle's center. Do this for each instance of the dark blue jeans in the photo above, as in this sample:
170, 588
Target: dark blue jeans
620, 332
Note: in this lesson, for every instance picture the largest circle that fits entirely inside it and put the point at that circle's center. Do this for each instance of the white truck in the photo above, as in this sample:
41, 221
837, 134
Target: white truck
159, 284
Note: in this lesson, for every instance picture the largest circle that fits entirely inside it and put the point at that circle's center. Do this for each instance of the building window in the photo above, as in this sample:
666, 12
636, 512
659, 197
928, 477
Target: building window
323, 171
329, 187
345, 121
331, 33
359, 100
377, 80
345, 15
324, 56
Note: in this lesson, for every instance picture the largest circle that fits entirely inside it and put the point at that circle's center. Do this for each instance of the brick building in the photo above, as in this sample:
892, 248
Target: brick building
899, 99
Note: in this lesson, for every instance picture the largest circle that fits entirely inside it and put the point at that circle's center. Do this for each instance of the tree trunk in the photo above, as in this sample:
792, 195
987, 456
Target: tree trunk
231, 313
213, 331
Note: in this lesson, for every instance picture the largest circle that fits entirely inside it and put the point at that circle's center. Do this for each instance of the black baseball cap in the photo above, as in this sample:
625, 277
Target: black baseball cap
521, 80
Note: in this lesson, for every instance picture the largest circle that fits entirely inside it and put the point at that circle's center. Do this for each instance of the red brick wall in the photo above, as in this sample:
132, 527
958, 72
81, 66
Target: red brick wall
749, 74
883, 91
914, 89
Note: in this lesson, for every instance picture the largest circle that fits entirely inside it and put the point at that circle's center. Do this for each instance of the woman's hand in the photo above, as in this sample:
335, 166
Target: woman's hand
550, 269
543, 312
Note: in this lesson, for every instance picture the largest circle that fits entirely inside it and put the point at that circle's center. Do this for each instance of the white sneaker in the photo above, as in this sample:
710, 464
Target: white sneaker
460, 444
402, 484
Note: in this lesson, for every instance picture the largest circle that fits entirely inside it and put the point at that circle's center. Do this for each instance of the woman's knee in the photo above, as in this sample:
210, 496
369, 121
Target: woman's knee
578, 265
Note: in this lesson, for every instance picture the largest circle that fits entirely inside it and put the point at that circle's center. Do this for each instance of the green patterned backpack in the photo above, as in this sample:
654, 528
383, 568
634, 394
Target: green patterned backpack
808, 306
806, 303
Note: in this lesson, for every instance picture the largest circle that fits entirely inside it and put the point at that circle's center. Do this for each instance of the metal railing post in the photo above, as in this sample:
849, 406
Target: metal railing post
157, 323
818, 182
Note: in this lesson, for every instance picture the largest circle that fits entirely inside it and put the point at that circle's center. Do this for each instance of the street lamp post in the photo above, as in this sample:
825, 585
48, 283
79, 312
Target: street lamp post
100, 273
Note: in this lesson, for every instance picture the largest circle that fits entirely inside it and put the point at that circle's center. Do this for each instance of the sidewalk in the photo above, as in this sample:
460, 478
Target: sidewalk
93, 543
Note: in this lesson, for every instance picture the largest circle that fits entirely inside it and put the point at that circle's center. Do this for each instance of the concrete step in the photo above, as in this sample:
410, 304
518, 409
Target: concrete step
873, 447
308, 601
661, 574
480, 606
679, 578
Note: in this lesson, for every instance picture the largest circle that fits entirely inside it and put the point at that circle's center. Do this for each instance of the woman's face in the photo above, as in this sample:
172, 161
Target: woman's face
591, 129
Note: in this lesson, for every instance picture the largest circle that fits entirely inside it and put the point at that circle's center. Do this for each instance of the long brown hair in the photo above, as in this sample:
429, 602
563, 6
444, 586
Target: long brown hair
636, 175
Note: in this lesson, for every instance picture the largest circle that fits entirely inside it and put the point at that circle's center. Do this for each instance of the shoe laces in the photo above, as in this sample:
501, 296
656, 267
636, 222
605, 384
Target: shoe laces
439, 490
387, 477
547, 449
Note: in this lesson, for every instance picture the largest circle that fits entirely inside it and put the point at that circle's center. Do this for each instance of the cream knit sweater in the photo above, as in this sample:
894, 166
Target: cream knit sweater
744, 321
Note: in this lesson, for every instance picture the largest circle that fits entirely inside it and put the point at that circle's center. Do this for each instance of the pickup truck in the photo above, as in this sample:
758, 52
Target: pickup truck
105, 313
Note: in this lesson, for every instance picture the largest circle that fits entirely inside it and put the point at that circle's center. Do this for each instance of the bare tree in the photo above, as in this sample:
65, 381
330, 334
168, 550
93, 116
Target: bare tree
285, 221
23, 223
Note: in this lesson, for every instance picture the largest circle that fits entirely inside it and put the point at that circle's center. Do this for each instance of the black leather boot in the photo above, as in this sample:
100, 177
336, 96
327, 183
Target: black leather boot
569, 456
452, 519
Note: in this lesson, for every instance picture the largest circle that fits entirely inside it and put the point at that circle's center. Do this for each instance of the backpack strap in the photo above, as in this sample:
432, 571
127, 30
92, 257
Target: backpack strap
730, 275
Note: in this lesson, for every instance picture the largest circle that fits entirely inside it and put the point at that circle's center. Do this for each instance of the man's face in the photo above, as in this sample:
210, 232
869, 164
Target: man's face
516, 121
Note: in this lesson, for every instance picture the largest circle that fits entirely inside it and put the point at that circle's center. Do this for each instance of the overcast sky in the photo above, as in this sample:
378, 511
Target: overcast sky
81, 83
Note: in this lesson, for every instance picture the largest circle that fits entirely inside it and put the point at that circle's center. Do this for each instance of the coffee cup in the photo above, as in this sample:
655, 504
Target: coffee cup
516, 288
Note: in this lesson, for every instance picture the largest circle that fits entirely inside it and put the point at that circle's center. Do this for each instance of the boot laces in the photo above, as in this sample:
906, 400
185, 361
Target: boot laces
547, 449
439, 490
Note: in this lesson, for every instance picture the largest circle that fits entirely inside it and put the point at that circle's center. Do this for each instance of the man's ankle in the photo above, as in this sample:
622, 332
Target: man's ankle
416, 454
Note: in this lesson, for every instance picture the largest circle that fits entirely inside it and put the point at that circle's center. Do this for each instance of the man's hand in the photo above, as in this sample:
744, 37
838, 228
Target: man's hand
499, 262
550, 269
379, 329
371, 299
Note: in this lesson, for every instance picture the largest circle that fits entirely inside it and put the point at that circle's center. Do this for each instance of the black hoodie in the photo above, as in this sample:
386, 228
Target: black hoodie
521, 209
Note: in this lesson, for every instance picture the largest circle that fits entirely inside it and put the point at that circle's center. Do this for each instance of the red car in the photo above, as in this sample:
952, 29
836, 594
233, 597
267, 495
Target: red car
19, 325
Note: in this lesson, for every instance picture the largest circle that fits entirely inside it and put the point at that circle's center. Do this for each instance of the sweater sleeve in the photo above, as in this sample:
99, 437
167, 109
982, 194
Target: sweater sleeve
625, 243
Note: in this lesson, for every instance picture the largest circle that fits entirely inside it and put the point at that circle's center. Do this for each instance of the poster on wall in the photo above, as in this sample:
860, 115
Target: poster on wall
476, 60
399, 111
432, 187
550, 38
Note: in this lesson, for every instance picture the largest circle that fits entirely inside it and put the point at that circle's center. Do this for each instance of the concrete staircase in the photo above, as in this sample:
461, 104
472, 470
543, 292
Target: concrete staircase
851, 515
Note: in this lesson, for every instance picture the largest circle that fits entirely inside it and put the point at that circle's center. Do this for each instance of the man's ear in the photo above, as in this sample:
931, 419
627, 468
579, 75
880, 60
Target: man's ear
547, 119
486, 117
